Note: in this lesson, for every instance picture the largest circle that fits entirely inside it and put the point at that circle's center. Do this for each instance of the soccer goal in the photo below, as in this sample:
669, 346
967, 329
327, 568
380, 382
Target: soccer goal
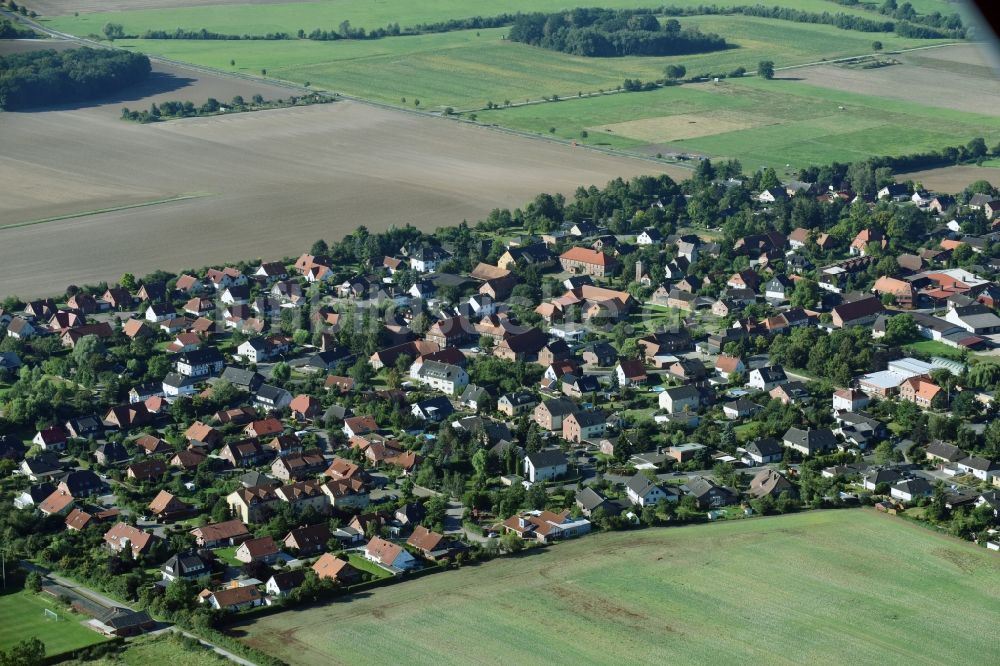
50, 614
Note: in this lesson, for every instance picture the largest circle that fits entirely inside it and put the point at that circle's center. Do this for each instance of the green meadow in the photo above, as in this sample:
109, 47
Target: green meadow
466, 69
256, 19
848, 586
771, 123
759, 122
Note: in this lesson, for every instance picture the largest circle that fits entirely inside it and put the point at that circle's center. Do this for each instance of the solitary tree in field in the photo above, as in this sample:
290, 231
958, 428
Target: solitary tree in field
263, 72
766, 69
114, 31
416, 102
876, 45
675, 72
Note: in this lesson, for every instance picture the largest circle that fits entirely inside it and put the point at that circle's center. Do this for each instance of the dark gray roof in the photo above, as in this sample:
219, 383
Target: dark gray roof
639, 484
589, 499
241, 377
560, 406
765, 446
270, 392
685, 391
547, 458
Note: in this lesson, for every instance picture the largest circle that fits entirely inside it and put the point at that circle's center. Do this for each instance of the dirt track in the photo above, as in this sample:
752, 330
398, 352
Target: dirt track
269, 182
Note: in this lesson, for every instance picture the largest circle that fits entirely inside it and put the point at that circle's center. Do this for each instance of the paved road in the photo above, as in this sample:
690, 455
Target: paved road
104, 601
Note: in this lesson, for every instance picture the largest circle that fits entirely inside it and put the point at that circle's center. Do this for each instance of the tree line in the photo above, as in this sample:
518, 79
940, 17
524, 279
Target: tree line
906, 23
55, 77
9, 30
607, 33
187, 109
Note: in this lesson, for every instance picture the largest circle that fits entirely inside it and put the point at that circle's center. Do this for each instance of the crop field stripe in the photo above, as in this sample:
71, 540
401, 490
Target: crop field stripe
70, 216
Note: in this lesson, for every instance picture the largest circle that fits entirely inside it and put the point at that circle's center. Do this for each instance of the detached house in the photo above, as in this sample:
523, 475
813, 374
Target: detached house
330, 567
680, 399
123, 535
857, 313
201, 362
643, 492
234, 598
810, 442
765, 379
546, 526
549, 414
228, 533
631, 373
257, 550
444, 377
545, 465
515, 404
584, 426
389, 555
588, 262
762, 451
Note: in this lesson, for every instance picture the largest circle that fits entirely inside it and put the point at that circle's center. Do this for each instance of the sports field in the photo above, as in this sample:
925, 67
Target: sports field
21, 617
831, 587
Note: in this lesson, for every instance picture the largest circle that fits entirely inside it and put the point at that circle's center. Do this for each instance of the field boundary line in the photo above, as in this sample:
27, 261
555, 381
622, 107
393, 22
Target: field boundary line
88, 213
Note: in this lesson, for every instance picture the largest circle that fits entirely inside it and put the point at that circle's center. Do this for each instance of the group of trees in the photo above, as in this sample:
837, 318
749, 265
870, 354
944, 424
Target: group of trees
611, 33
212, 106
54, 77
9, 30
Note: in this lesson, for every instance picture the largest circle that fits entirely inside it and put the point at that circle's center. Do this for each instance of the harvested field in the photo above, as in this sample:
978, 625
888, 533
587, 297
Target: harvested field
953, 178
266, 184
682, 126
957, 84
831, 587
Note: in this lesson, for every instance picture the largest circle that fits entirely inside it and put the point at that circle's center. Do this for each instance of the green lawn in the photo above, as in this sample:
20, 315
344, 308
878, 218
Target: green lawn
259, 19
21, 617
824, 587
359, 562
746, 431
228, 555
932, 348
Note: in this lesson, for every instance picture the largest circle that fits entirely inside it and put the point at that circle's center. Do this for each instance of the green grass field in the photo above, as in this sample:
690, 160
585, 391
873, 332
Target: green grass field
825, 587
759, 122
289, 17
147, 651
21, 617
783, 122
466, 69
